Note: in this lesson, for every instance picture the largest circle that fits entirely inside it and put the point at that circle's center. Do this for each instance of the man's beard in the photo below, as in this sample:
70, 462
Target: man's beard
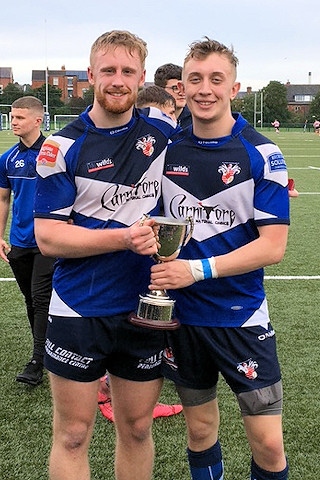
113, 106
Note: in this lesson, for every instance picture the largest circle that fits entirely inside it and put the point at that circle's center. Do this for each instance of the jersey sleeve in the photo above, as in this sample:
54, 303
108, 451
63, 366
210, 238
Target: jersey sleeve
271, 200
55, 189
4, 183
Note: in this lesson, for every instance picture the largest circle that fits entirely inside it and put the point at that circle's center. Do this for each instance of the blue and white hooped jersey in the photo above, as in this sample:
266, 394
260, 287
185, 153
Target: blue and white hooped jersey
102, 178
229, 186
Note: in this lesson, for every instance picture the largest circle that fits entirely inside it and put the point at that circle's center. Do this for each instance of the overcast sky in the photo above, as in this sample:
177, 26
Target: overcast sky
273, 39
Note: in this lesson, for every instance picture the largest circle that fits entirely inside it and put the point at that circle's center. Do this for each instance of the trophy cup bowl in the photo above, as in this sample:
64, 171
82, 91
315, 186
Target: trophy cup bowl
156, 307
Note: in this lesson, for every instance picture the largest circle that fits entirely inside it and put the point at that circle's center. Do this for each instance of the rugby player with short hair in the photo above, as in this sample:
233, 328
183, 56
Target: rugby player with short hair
235, 186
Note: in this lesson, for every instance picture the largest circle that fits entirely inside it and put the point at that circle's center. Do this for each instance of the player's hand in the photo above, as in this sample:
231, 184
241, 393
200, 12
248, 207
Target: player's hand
171, 275
4, 250
142, 237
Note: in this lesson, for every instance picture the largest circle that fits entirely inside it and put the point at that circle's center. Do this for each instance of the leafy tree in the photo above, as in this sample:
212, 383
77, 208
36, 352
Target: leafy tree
275, 103
76, 105
88, 96
10, 93
54, 96
245, 106
248, 107
314, 112
237, 105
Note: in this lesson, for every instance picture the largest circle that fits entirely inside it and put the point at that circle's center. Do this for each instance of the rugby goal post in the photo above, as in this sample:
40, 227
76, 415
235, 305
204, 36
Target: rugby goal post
4, 122
61, 121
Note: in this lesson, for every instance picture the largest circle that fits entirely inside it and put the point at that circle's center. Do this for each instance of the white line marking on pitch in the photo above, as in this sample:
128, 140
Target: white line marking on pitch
292, 277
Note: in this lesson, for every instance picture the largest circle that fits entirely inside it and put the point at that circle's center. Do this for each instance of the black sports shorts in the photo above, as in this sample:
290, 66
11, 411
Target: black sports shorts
246, 357
82, 349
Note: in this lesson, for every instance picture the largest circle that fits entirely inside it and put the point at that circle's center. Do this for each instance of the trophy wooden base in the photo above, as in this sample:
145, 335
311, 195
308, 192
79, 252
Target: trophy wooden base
172, 324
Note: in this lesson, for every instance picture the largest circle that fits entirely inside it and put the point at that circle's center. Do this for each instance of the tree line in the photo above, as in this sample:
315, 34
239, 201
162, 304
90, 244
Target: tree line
274, 103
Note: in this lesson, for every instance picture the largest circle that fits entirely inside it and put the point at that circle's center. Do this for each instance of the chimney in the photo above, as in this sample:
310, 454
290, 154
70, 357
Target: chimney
249, 90
309, 77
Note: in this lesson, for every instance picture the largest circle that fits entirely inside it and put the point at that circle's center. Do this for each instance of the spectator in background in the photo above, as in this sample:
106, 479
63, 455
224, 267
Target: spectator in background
31, 269
154, 96
168, 76
305, 126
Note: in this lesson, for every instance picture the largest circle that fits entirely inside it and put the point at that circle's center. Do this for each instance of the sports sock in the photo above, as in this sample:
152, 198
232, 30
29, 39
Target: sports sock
206, 465
258, 473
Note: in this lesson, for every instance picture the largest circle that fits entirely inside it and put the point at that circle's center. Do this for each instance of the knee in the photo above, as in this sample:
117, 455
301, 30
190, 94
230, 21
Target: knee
268, 449
141, 431
135, 430
199, 431
74, 437
271, 446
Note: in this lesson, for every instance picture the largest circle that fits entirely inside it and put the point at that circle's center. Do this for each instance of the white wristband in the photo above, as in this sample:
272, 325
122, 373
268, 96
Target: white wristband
203, 269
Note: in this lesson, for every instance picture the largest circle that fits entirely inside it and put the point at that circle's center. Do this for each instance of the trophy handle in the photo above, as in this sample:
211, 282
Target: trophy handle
190, 232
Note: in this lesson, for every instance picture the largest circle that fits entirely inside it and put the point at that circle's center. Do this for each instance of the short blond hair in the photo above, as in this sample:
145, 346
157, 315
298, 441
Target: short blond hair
120, 38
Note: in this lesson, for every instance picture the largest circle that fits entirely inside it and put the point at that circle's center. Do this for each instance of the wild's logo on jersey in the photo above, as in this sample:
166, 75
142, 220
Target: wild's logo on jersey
180, 170
146, 145
248, 367
228, 172
100, 165
48, 153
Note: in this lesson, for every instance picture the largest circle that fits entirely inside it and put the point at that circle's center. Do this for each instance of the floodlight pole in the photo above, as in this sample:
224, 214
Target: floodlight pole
47, 92
46, 113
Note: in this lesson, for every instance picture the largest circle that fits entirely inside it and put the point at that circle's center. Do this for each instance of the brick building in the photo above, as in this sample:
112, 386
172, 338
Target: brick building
73, 83
299, 97
6, 77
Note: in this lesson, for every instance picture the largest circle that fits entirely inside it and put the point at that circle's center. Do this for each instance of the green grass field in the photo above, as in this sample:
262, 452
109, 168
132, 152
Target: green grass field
293, 291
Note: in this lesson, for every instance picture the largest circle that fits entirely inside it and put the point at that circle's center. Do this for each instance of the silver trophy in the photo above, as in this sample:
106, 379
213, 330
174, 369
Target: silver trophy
156, 307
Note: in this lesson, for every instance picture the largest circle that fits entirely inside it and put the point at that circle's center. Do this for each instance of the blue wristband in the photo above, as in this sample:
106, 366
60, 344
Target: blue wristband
207, 272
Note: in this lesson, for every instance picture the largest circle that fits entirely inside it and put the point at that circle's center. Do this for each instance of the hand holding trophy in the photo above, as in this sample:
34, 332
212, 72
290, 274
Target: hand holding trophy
156, 307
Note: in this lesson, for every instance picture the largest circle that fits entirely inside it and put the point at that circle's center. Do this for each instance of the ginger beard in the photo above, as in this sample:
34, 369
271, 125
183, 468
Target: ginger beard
112, 103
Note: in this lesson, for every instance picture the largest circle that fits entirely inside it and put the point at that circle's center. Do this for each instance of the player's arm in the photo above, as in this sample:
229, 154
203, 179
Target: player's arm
268, 249
4, 214
57, 238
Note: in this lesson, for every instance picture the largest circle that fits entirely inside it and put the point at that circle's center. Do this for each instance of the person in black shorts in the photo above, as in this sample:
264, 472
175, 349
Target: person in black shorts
97, 178
235, 186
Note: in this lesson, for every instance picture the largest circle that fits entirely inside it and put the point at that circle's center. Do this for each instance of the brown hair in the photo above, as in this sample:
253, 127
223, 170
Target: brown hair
154, 95
201, 49
29, 102
166, 72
